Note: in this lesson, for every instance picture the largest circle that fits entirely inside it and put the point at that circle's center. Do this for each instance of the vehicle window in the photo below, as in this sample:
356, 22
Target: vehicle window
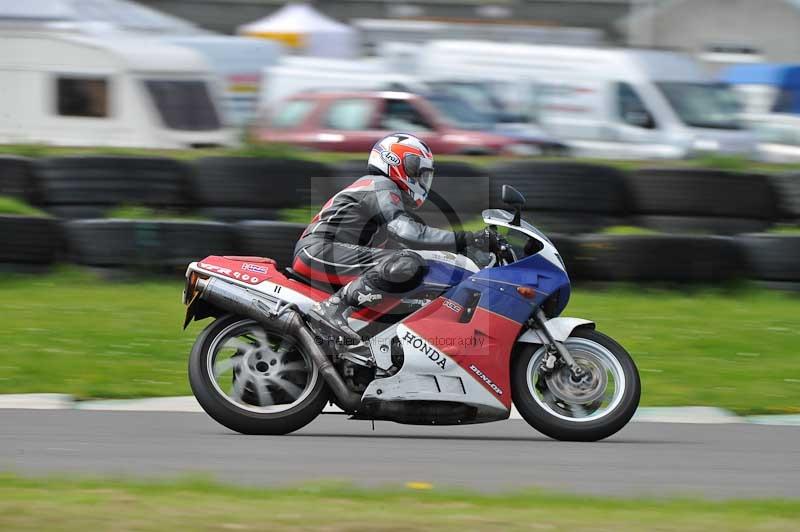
184, 104
291, 114
460, 112
87, 97
632, 109
705, 105
350, 115
401, 115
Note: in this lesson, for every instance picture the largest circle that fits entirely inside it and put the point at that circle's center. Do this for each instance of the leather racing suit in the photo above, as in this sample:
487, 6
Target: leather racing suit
344, 246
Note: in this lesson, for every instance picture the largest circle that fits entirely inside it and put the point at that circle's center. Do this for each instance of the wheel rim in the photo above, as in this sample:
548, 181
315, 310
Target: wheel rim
594, 397
259, 371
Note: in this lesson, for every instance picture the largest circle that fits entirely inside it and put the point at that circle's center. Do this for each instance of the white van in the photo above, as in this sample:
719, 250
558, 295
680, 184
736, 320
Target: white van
71, 89
619, 103
301, 74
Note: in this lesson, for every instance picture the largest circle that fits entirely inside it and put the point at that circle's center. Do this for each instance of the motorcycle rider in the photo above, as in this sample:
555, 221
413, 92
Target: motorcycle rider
344, 245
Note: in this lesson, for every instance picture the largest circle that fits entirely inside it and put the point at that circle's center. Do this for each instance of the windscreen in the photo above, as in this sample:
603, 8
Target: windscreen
500, 214
184, 104
703, 105
460, 112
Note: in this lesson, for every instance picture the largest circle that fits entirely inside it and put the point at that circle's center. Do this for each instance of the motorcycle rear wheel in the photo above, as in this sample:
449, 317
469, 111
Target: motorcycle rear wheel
254, 380
609, 398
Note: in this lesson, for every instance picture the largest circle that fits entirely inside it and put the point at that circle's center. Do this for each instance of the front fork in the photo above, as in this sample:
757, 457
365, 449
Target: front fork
555, 349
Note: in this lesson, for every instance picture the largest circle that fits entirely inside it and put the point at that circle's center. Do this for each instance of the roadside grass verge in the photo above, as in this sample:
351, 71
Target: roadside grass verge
70, 505
71, 331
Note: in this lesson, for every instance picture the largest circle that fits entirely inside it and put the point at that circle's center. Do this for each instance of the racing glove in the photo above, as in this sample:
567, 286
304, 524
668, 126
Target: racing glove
485, 240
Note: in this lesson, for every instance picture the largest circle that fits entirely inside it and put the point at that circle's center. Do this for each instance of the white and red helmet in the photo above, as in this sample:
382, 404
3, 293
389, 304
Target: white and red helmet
407, 161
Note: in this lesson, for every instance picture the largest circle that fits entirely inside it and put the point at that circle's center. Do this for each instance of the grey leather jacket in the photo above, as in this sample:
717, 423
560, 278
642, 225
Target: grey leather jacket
371, 212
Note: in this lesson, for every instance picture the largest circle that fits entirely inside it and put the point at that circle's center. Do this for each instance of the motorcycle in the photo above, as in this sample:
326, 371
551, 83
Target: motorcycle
462, 348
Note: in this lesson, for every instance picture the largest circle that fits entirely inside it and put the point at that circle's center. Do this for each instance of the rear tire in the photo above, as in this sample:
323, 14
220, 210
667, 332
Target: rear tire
238, 415
560, 428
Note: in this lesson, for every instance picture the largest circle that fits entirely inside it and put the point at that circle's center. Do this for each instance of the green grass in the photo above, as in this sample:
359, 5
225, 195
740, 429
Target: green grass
785, 230
16, 207
628, 230
299, 215
69, 505
136, 212
72, 332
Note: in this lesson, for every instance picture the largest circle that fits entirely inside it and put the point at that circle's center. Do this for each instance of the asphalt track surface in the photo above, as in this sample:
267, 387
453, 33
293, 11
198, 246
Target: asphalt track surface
716, 461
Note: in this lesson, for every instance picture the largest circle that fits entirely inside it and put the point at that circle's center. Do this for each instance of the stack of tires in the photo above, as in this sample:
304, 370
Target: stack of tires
657, 258
262, 238
16, 180
247, 188
26, 240
88, 187
691, 200
564, 197
787, 187
145, 245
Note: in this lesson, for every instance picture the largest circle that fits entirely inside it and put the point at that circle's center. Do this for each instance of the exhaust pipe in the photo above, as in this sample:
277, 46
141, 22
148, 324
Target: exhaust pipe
239, 301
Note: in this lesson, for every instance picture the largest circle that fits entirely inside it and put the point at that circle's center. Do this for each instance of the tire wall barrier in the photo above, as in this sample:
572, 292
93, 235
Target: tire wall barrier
237, 188
29, 240
566, 199
658, 258
133, 244
692, 200
16, 178
89, 186
167, 245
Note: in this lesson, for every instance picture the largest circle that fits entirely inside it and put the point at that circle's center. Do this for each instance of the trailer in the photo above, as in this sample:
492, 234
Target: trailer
69, 88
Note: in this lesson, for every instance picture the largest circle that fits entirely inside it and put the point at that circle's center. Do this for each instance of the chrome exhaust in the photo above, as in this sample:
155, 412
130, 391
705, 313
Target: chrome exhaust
241, 302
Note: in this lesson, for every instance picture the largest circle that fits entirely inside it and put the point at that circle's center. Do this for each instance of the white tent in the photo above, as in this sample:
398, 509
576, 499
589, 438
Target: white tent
95, 14
301, 27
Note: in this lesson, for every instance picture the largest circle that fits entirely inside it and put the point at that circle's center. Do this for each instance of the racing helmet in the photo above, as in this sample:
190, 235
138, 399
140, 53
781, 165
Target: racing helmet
407, 161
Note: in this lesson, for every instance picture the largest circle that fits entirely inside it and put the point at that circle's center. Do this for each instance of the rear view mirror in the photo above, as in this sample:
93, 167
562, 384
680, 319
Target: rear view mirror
512, 196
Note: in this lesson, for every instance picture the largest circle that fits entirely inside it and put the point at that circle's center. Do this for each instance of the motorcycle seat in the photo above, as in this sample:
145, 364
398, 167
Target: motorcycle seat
325, 287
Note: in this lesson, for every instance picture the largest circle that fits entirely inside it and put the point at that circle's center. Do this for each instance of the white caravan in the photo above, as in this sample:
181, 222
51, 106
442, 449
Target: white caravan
619, 103
71, 89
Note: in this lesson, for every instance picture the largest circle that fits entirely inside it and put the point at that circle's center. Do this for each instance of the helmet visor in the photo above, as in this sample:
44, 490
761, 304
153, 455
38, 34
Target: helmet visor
419, 169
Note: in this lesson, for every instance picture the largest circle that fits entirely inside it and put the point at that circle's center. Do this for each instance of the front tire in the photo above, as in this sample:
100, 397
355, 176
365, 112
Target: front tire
253, 379
570, 411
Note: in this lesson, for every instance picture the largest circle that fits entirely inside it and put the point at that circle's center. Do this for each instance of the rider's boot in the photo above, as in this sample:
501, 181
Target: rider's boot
332, 313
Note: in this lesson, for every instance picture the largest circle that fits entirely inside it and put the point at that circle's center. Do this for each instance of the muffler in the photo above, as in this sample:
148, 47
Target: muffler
241, 302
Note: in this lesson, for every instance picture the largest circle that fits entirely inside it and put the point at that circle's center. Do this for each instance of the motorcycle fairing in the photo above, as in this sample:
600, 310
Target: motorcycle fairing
536, 272
468, 335
264, 278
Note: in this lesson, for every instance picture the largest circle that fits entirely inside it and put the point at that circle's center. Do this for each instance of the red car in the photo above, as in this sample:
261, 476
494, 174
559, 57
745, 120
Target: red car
354, 121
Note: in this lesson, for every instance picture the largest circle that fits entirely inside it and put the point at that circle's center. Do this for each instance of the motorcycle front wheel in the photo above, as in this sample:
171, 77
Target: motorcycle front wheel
589, 408
253, 379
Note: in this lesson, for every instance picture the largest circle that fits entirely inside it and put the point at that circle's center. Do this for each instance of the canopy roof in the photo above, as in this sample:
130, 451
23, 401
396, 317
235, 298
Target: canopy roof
302, 27
295, 18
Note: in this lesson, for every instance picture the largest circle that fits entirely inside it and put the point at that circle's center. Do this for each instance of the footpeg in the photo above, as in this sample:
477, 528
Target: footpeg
361, 360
